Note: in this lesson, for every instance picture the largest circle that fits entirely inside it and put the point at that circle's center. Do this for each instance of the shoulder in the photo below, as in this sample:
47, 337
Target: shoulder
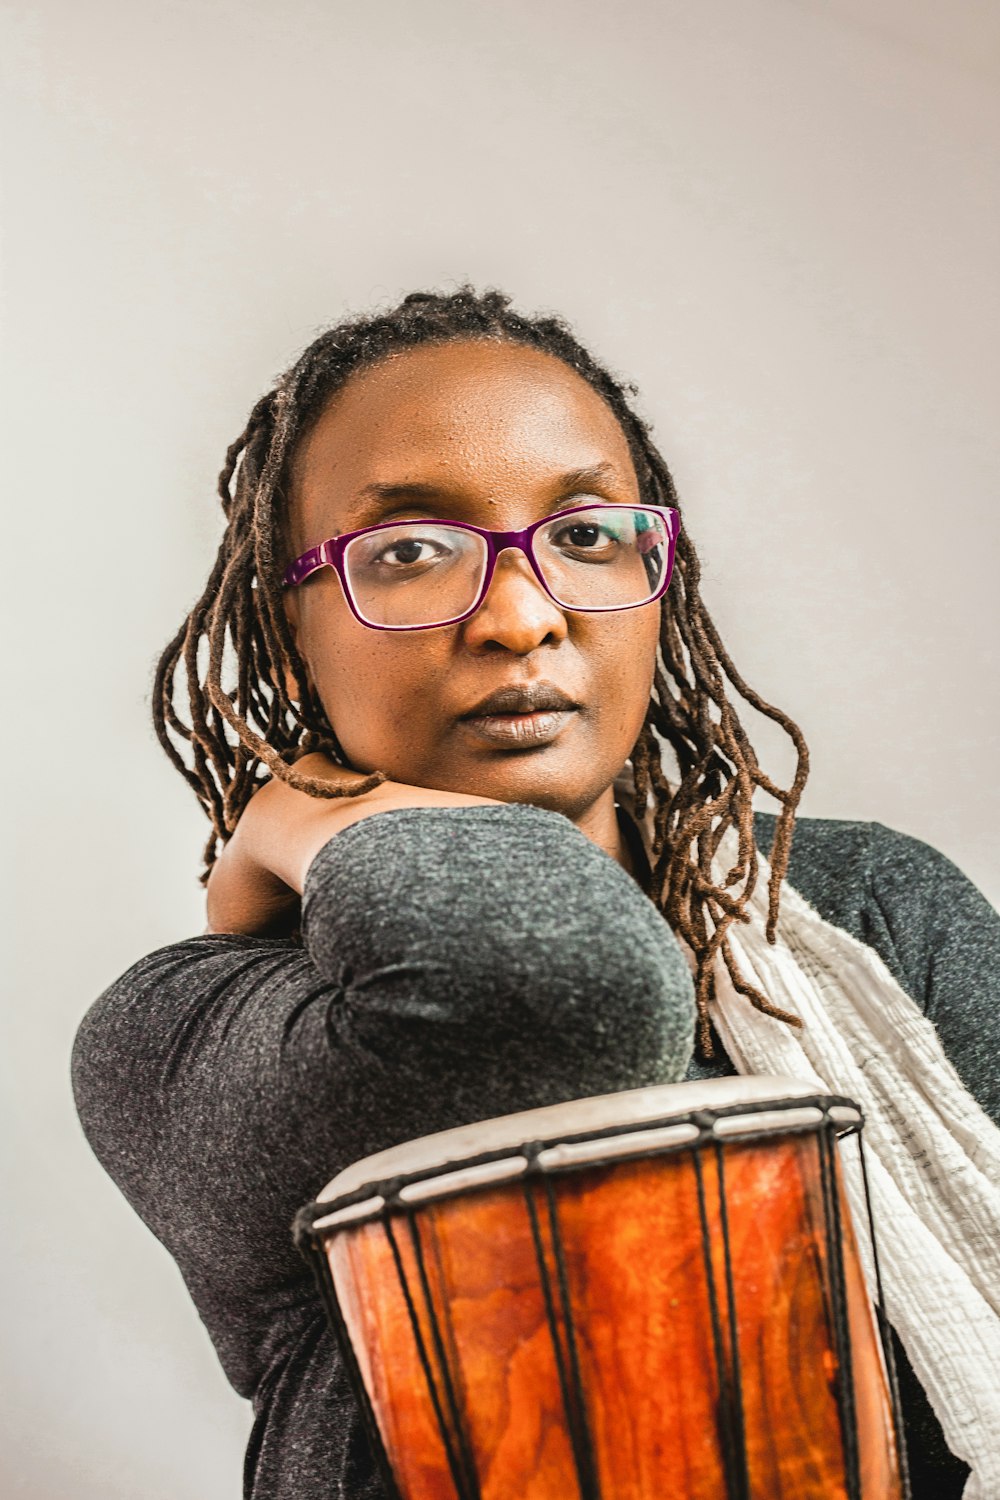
934, 929
163, 1005
194, 967
887, 889
846, 868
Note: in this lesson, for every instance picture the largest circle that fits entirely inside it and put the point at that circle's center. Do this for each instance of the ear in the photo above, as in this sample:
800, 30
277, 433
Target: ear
290, 603
291, 688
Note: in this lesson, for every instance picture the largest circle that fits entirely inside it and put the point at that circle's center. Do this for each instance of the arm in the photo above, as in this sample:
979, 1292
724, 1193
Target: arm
257, 881
937, 934
456, 964
946, 939
941, 937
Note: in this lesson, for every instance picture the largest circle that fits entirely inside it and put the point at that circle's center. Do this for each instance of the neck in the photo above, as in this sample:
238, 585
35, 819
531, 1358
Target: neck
600, 824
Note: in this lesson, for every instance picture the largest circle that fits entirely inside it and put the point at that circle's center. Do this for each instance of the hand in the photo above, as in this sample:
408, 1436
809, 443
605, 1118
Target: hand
256, 883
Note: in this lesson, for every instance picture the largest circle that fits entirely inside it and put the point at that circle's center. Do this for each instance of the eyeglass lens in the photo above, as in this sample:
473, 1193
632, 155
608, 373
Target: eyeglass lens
427, 573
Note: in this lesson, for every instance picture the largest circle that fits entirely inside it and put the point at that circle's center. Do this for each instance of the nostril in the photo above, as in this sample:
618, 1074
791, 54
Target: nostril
517, 613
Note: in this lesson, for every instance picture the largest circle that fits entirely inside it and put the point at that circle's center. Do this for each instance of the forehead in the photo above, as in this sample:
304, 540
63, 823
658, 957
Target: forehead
485, 418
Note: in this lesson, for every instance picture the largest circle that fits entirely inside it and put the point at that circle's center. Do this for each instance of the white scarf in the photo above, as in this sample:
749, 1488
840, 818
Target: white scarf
933, 1156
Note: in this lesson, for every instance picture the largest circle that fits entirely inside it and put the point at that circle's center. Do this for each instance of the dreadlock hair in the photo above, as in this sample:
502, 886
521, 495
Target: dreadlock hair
239, 736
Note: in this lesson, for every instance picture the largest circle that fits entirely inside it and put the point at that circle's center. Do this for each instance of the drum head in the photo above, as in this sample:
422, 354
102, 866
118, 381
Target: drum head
555, 1123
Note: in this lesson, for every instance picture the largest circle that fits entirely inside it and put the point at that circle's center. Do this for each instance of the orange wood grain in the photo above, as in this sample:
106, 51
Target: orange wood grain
635, 1266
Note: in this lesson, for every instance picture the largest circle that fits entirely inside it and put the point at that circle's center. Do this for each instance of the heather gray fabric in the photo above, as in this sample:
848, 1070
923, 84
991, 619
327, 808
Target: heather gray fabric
455, 964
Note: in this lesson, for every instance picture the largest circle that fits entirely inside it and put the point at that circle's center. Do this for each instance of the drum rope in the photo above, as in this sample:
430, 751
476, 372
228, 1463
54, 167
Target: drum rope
583, 1460
458, 1477
468, 1462
734, 1464
567, 1308
738, 1419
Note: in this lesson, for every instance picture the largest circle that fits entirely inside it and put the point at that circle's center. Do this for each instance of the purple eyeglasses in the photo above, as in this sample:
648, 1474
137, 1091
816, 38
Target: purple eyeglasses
417, 574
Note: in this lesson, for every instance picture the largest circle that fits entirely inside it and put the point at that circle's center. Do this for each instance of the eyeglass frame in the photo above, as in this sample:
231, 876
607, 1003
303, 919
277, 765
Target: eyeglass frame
330, 554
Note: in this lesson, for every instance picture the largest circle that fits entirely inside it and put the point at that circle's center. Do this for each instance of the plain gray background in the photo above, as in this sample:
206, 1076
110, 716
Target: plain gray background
779, 217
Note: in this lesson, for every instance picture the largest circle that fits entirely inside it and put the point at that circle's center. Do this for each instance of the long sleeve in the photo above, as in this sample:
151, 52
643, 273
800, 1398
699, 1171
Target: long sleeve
456, 965
946, 938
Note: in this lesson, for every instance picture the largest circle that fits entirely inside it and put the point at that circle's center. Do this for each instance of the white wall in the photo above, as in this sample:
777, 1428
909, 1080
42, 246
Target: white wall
780, 217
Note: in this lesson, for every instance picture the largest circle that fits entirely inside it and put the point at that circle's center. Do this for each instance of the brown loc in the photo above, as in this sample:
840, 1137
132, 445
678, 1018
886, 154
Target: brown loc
226, 740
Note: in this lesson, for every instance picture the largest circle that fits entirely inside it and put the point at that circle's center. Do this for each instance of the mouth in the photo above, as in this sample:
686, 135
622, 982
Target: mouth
520, 718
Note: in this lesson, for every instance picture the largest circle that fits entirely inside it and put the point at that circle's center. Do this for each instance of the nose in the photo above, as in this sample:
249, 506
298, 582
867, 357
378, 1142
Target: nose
517, 614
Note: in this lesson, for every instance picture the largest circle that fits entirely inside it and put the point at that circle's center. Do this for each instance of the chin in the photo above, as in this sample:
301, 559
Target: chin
542, 778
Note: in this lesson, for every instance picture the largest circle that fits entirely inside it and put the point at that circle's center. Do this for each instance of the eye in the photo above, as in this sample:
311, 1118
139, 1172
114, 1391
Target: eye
586, 536
408, 552
583, 536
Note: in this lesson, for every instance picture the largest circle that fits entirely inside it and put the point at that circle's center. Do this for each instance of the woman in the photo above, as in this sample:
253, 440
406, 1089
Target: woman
455, 879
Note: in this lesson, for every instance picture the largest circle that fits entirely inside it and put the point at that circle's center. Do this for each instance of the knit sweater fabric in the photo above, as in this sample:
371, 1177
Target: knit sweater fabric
454, 965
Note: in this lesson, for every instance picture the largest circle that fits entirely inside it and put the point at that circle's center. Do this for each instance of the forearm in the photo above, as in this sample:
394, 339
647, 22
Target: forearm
288, 848
259, 877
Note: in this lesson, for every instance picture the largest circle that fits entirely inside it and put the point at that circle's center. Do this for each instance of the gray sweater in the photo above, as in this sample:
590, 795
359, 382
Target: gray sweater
454, 965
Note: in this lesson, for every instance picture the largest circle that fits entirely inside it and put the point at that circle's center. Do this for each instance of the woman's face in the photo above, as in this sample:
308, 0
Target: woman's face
497, 435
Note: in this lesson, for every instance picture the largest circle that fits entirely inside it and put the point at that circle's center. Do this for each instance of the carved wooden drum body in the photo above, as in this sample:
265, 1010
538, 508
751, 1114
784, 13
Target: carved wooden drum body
648, 1294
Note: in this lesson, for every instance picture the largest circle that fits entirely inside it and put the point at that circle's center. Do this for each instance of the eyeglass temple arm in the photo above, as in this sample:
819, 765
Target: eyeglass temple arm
300, 569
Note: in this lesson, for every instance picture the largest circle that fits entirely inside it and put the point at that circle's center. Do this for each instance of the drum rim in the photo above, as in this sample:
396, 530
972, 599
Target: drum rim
772, 1104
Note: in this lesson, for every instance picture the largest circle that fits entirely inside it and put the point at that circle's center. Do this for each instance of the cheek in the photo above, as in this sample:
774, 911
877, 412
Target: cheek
373, 686
626, 656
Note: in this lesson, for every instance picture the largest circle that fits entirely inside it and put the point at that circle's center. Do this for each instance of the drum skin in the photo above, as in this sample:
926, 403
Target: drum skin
634, 1254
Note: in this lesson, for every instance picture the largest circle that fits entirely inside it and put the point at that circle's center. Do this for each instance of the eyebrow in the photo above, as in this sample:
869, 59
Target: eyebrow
382, 496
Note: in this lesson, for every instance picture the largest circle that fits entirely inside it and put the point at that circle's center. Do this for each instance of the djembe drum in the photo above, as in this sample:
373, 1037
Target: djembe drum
649, 1294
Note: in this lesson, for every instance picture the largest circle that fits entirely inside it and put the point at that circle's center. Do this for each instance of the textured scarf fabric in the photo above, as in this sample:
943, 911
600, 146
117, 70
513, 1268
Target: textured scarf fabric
933, 1156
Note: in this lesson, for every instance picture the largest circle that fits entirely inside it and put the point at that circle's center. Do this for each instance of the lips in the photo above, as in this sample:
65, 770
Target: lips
520, 718
528, 698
